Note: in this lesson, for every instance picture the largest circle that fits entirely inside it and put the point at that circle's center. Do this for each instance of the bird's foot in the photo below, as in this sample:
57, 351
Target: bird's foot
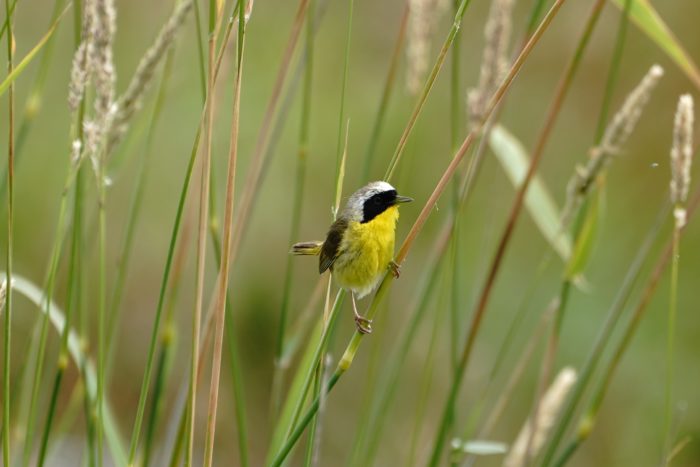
364, 325
395, 269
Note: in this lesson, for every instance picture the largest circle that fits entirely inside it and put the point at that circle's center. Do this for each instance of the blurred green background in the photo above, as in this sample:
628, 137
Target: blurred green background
629, 431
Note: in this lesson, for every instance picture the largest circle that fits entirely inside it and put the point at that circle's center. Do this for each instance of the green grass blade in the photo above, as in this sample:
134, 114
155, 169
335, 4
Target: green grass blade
30, 55
643, 14
585, 239
539, 202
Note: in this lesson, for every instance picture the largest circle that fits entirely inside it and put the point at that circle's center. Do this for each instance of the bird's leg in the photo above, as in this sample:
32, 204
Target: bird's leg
394, 268
364, 325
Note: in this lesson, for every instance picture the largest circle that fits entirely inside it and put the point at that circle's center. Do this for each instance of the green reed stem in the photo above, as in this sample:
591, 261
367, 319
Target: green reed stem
456, 109
9, 245
200, 52
343, 92
442, 56
670, 338
102, 305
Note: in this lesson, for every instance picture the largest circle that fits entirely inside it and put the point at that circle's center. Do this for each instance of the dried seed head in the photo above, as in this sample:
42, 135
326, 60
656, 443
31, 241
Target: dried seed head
626, 118
549, 409
424, 15
682, 149
616, 134
81, 68
494, 63
130, 101
103, 63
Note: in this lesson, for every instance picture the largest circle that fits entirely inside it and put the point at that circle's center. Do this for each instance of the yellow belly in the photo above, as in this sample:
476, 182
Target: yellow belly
365, 253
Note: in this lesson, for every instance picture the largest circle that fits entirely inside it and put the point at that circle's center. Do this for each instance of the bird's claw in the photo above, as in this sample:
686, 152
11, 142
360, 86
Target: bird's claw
364, 325
395, 269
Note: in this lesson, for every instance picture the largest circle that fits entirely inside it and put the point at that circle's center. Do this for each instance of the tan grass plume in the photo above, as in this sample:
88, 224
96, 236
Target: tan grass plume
681, 156
549, 409
424, 15
616, 134
494, 61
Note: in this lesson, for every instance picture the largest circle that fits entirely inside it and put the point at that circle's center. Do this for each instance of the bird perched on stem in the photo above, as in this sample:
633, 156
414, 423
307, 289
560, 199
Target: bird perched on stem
359, 246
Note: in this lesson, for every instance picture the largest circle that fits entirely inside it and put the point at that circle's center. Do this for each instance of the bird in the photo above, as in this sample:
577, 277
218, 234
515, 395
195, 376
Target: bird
359, 245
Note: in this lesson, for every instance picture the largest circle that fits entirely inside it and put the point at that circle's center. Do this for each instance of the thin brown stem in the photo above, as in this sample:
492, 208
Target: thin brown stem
220, 307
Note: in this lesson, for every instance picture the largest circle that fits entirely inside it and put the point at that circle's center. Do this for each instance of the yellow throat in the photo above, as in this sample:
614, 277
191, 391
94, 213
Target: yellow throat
367, 250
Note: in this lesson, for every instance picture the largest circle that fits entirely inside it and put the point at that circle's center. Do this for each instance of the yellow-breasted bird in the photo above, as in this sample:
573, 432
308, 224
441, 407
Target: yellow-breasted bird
359, 246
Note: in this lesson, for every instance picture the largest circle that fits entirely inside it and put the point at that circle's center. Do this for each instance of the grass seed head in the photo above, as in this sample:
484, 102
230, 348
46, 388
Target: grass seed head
494, 62
682, 149
424, 15
549, 409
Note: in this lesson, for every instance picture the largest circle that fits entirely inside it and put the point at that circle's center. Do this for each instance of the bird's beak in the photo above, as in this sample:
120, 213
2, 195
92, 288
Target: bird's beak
403, 199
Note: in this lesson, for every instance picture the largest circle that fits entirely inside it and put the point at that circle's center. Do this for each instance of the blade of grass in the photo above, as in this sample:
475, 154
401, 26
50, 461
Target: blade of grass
643, 14
9, 243
15, 71
219, 309
538, 201
33, 102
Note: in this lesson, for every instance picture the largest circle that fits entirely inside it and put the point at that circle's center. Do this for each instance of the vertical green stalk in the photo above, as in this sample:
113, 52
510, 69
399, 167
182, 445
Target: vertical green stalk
9, 245
343, 92
102, 305
670, 338
455, 132
302, 156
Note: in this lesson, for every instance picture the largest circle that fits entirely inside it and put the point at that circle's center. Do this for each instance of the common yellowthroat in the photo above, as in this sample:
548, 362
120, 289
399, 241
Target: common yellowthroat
359, 246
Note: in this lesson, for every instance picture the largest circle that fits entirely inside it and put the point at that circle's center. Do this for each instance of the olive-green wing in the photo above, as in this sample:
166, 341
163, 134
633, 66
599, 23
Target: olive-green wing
331, 247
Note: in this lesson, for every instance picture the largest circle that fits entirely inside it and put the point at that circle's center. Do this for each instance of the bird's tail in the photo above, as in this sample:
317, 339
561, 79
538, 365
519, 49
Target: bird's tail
307, 248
